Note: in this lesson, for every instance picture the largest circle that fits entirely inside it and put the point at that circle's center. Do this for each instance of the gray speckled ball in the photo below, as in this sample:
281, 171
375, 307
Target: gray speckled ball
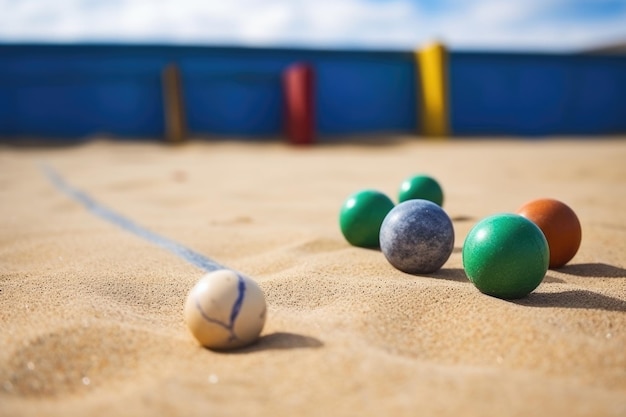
417, 236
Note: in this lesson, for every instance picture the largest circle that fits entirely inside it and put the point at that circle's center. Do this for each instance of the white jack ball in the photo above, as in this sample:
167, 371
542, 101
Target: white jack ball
225, 310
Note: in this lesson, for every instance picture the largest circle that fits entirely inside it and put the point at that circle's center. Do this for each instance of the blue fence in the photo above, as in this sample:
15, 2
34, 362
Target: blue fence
537, 94
71, 91
76, 90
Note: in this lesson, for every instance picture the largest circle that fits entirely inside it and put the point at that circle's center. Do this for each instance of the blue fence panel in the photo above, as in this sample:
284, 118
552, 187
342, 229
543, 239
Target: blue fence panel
234, 105
230, 91
77, 109
362, 94
597, 100
536, 94
73, 91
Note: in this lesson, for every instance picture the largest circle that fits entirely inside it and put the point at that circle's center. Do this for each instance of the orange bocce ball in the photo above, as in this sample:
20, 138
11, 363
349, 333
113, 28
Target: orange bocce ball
559, 224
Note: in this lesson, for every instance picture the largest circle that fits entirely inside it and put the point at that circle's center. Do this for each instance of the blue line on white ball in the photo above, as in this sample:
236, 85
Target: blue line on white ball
234, 313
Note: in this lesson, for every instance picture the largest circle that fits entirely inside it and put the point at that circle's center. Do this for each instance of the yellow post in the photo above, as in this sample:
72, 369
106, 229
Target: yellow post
432, 69
175, 129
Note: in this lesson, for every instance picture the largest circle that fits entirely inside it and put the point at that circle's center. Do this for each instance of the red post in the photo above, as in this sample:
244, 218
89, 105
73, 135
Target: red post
298, 86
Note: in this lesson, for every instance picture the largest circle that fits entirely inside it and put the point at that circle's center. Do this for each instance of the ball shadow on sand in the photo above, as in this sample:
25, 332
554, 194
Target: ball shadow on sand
279, 341
580, 299
590, 270
451, 274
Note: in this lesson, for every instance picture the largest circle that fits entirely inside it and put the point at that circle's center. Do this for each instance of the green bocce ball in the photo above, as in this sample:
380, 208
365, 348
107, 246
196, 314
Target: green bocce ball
505, 256
422, 187
361, 216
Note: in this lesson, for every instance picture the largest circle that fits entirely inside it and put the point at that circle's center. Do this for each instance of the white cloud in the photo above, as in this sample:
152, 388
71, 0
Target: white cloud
394, 24
531, 24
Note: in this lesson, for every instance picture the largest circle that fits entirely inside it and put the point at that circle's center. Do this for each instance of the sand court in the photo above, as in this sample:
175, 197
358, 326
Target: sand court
91, 313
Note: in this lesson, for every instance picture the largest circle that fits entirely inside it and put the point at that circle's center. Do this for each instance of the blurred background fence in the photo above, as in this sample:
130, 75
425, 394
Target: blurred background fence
74, 91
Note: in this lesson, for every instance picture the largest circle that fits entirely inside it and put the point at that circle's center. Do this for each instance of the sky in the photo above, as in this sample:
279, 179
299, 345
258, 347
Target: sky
528, 25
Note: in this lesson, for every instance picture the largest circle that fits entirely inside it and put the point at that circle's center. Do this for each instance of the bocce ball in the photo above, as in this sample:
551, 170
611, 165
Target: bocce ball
361, 215
421, 187
505, 256
225, 310
559, 224
417, 236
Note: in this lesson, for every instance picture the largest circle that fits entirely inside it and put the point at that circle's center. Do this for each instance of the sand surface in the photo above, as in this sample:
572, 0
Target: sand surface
91, 315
